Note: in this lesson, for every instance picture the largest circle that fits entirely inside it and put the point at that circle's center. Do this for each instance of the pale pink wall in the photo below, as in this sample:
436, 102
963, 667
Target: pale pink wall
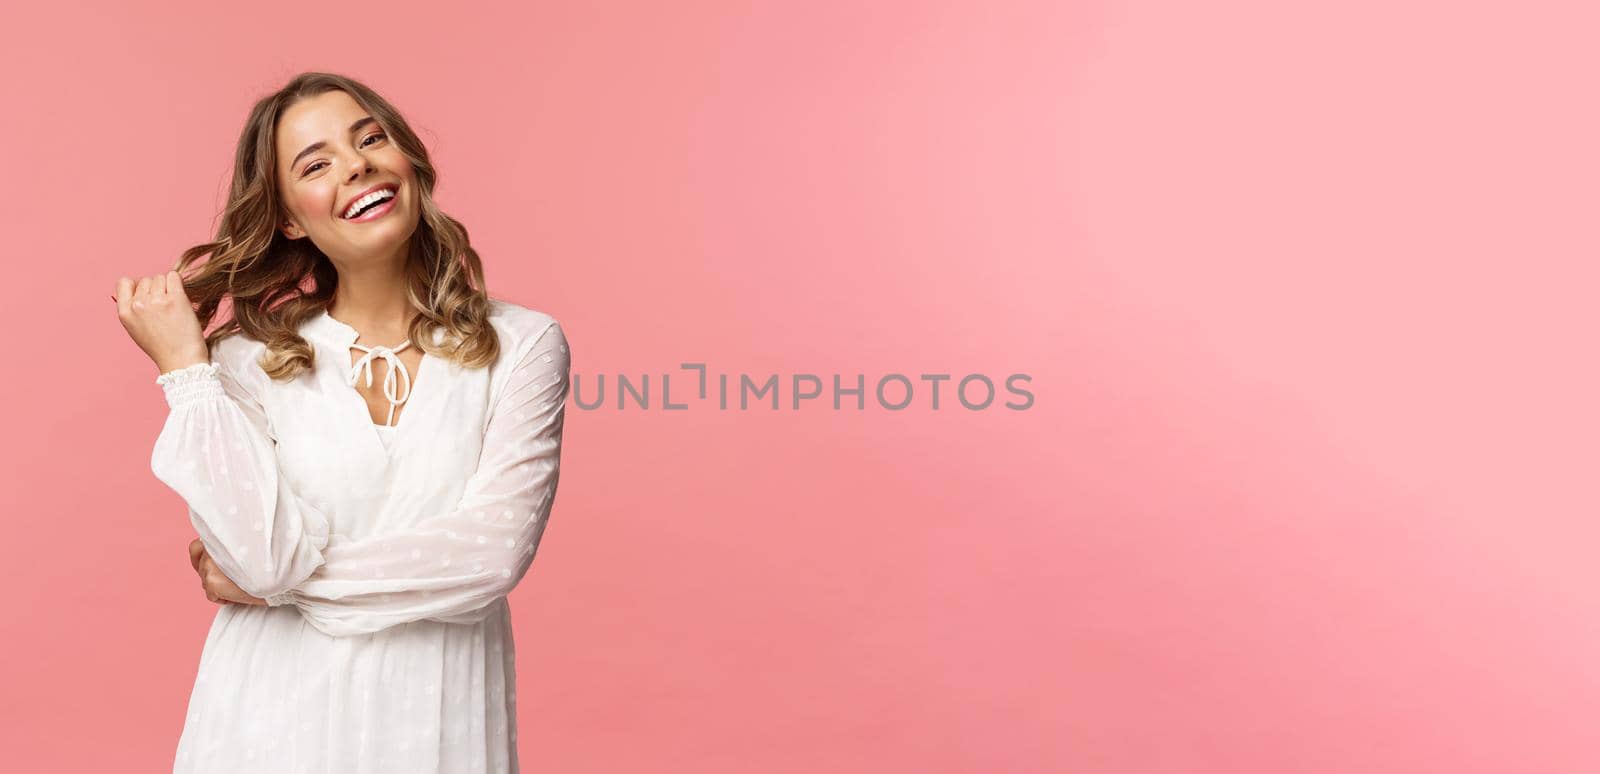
1307, 297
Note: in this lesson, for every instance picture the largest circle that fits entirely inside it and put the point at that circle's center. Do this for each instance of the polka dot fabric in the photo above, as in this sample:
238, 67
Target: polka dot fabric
385, 555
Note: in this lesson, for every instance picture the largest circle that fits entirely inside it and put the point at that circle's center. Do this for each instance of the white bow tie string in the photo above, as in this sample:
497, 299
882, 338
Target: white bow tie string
391, 383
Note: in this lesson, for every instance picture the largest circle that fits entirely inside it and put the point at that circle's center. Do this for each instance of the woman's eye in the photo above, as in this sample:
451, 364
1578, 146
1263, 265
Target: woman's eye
313, 167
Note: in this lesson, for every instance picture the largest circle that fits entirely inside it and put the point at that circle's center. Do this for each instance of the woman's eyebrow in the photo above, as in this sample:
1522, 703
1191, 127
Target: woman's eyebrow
320, 144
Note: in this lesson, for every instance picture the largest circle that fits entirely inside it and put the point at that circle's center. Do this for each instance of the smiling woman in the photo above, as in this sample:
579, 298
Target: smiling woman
362, 540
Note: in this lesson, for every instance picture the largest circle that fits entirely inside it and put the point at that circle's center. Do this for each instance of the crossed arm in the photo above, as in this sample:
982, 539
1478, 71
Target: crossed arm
216, 450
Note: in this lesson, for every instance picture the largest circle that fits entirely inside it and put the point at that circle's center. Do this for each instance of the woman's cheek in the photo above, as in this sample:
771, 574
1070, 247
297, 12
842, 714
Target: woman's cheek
317, 205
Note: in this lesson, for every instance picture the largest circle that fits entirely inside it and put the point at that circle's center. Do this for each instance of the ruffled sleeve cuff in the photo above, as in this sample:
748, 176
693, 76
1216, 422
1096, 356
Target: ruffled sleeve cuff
190, 384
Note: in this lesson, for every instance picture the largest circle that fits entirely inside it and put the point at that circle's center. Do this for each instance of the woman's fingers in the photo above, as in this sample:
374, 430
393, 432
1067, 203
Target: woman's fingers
142, 289
207, 570
208, 581
197, 549
220, 588
125, 290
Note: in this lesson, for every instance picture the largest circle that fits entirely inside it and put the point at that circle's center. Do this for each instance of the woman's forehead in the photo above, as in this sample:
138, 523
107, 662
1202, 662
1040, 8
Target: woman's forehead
322, 118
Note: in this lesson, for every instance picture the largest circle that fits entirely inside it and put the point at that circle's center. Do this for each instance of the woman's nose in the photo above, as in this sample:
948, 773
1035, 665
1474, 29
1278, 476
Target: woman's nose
360, 166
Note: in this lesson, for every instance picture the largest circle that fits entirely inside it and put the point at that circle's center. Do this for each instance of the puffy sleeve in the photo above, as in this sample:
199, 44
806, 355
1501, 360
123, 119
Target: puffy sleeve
451, 566
216, 450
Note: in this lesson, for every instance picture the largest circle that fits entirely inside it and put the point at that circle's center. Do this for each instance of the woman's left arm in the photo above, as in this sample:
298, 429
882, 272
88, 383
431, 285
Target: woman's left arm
453, 565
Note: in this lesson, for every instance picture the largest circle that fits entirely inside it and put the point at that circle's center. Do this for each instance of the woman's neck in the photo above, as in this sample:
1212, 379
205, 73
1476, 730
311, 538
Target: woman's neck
374, 303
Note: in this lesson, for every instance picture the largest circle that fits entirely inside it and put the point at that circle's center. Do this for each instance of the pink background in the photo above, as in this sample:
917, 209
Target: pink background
1308, 299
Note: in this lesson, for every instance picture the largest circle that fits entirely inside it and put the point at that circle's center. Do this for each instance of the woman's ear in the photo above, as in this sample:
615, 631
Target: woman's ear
291, 230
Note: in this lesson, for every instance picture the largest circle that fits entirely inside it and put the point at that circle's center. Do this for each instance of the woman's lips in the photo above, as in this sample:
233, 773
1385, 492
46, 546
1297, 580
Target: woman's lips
376, 212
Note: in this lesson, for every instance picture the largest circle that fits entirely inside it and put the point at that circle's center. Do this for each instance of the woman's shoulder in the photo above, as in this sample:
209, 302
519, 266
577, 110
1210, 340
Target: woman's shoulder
236, 350
520, 326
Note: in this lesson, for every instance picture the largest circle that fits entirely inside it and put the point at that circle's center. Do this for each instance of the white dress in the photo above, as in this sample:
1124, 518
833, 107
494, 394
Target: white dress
385, 554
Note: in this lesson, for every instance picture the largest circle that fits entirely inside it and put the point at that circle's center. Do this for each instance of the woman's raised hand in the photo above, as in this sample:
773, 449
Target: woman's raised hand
160, 319
219, 587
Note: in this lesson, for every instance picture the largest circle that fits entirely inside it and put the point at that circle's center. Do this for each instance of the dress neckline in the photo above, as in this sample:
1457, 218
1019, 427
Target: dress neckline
338, 336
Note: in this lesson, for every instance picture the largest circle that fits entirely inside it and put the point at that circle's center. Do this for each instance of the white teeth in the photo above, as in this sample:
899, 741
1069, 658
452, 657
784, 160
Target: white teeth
368, 199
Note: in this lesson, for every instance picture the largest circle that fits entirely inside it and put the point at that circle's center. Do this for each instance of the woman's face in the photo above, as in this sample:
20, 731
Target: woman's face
331, 153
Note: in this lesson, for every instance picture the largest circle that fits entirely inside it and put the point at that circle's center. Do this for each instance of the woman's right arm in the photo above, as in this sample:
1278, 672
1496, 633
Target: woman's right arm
216, 451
